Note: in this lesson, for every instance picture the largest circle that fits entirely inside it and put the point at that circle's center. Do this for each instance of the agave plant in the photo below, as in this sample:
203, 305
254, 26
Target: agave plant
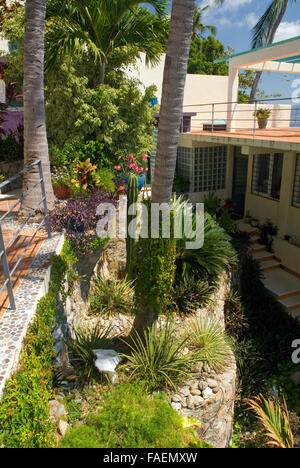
209, 342
275, 421
112, 296
157, 357
81, 348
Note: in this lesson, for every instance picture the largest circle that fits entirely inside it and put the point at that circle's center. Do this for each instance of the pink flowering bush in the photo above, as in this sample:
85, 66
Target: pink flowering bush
131, 164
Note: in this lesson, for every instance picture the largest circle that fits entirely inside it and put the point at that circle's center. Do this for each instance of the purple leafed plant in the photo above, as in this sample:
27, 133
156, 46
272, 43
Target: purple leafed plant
78, 216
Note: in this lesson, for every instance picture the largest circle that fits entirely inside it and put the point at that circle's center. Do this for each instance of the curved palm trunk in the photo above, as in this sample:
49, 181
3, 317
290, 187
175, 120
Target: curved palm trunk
170, 118
170, 114
35, 136
270, 41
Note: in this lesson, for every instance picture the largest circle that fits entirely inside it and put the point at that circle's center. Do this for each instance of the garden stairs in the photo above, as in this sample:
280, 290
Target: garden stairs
283, 284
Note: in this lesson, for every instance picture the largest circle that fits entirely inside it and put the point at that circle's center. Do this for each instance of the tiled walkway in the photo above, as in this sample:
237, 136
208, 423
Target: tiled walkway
30, 282
14, 252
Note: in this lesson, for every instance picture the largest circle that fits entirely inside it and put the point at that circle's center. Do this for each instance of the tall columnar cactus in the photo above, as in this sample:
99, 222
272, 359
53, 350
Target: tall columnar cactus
132, 197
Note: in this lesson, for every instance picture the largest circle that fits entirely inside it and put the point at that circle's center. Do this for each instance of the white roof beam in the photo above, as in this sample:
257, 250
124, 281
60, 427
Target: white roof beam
266, 54
271, 66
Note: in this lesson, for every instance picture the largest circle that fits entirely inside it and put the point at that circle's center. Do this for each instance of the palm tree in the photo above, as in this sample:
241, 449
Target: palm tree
182, 21
198, 27
100, 27
35, 135
264, 32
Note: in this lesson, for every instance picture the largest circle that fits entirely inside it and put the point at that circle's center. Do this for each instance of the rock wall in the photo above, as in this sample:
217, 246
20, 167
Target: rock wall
208, 397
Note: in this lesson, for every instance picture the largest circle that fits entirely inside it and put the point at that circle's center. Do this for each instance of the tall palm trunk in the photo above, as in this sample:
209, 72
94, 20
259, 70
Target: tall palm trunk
270, 41
35, 135
170, 114
170, 117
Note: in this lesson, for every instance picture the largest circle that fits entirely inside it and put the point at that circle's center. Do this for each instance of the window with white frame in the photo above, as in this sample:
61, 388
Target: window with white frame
267, 175
296, 194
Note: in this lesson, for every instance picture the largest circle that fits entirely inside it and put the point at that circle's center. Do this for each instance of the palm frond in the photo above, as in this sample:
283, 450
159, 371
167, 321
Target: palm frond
275, 421
262, 31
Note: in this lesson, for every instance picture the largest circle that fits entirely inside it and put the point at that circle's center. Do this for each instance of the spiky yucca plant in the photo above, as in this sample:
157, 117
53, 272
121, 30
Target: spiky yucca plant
209, 342
157, 357
275, 420
112, 296
81, 348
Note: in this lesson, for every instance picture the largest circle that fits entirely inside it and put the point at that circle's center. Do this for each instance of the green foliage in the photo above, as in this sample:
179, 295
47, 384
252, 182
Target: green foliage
275, 421
24, 413
203, 53
156, 357
10, 149
98, 30
208, 341
81, 348
112, 296
132, 197
132, 419
192, 295
105, 180
212, 259
117, 116
283, 384
235, 320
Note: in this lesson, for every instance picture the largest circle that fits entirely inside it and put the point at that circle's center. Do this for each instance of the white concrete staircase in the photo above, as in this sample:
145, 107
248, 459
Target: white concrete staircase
284, 285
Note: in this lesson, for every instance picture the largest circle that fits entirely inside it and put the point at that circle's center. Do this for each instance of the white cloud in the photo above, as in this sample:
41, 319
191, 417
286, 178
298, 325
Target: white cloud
251, 20
227, 5
287, 29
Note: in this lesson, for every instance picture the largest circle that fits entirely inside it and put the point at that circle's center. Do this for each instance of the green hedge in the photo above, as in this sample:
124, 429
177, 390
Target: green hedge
24, 413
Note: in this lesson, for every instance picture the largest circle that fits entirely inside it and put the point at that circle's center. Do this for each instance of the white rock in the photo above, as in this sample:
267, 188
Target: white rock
107, 361
207, 392
62, 427
175, 405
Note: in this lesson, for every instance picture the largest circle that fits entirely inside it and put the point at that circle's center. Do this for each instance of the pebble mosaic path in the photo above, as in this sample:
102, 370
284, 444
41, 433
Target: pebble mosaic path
14, 323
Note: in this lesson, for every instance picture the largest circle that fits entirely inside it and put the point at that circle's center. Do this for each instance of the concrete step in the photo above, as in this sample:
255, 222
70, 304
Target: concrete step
255, 247
281, 283
291, 302
268, 265
263, 255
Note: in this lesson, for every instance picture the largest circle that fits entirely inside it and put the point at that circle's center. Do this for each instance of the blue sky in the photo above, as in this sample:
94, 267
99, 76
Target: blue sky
234, 21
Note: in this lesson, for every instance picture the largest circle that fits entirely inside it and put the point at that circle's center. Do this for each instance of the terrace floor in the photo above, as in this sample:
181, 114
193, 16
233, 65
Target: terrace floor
288, 134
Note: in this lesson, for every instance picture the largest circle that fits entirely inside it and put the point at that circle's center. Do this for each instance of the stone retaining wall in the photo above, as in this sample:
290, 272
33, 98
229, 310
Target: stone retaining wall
209, 397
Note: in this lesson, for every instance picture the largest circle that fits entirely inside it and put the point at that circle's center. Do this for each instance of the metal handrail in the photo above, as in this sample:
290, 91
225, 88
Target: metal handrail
214, 108
3, 248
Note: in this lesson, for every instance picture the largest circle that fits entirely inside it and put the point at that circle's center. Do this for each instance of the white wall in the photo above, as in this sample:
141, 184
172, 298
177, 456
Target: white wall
199, 89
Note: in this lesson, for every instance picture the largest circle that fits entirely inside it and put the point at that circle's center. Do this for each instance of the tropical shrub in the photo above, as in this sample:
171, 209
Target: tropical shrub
208, 341
24, 412
10, 148
235, 320
79, 214
212, 259
112, 296
275, 421
118, 117
189, 296
156, 357
130, 418
81, 347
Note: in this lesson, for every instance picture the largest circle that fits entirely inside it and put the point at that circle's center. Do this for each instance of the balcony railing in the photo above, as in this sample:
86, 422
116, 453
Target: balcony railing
238, 116
8, 272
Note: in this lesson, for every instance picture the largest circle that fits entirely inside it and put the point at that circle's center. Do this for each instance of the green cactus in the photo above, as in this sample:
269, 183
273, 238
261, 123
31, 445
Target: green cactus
132, 197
